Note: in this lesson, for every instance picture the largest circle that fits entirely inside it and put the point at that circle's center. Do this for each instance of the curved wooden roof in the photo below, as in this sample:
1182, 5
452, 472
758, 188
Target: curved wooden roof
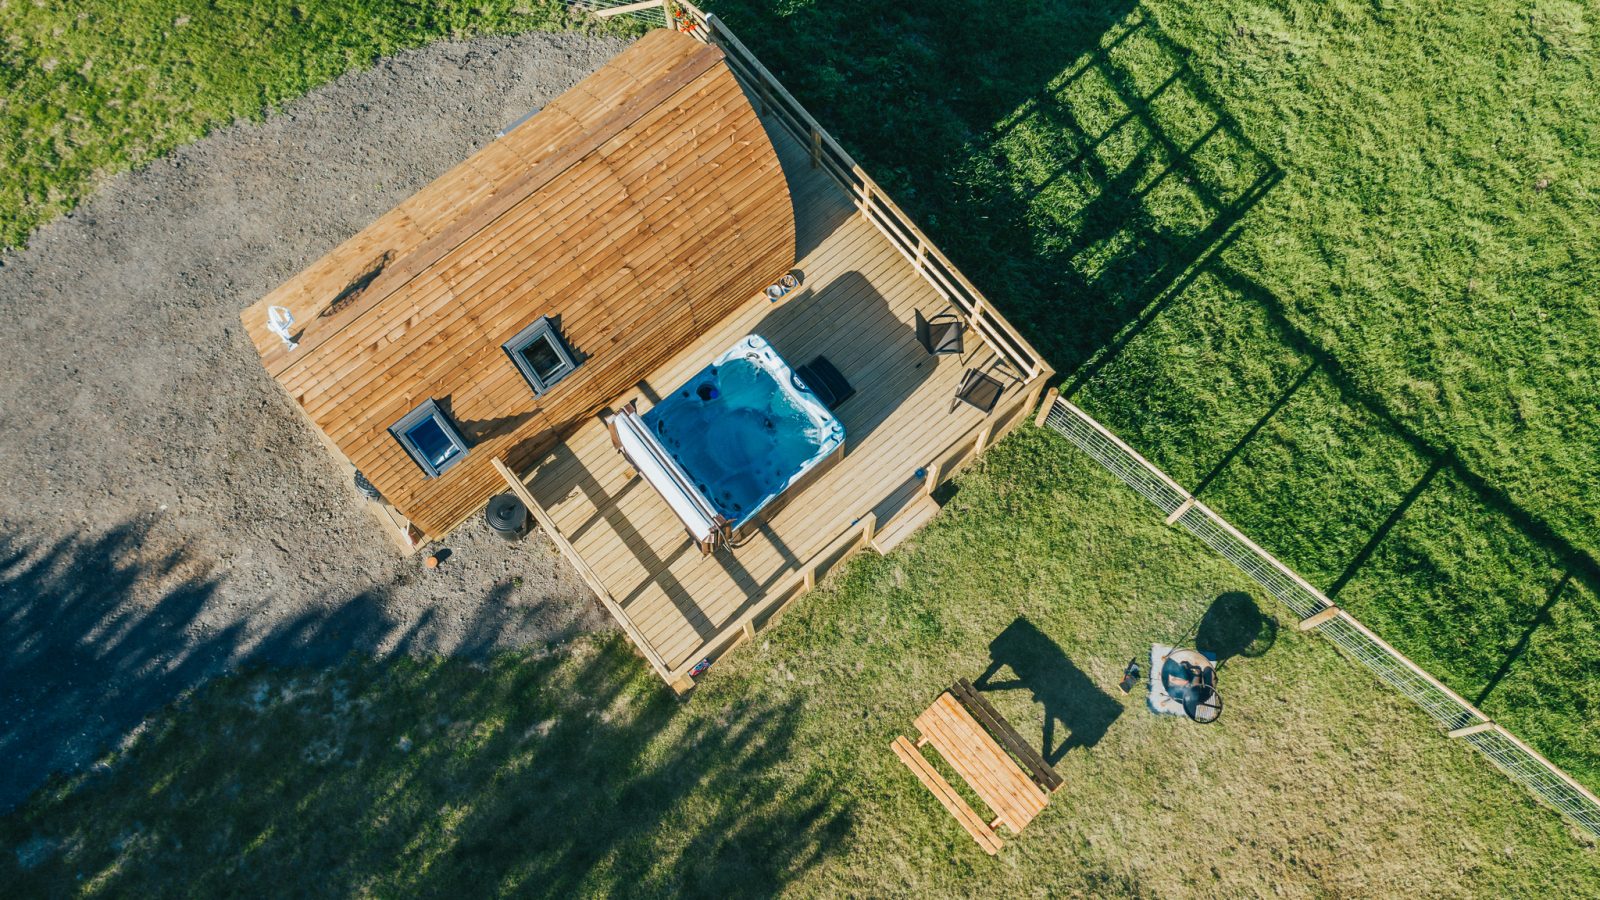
637, 209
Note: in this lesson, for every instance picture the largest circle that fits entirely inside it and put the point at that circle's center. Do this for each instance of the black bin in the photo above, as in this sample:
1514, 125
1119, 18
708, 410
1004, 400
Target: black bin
507, 516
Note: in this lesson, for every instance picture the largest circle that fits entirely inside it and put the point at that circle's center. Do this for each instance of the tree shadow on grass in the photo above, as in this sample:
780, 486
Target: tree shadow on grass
557, 775
81, 665
1069, 697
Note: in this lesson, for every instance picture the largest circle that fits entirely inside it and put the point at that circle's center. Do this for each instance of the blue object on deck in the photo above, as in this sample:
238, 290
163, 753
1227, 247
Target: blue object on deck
744, 428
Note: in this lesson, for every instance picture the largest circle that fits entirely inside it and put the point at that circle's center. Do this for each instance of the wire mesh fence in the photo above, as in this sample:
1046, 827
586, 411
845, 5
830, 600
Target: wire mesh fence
1117, 457
1452, 713
1533, 770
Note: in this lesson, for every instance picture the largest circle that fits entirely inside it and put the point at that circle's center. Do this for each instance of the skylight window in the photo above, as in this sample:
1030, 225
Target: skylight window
431, 440
540, 355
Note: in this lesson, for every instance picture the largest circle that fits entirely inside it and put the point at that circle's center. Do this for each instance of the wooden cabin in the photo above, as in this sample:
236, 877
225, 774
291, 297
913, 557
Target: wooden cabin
490, 332
516, 295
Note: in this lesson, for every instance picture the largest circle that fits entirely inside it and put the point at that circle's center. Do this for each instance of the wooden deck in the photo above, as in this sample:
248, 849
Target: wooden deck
855, 307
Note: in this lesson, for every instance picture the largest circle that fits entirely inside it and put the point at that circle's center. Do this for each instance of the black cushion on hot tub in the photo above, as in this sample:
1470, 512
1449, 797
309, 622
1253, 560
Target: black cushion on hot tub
825, 380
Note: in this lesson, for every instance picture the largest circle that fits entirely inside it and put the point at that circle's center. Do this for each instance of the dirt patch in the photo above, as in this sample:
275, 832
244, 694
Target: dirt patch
164, 515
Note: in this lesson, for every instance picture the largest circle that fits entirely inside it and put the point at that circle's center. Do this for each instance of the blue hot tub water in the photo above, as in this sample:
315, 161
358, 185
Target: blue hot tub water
744, 428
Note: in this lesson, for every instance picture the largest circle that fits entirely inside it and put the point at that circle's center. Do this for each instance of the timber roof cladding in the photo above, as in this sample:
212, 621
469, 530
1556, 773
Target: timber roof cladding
635, 210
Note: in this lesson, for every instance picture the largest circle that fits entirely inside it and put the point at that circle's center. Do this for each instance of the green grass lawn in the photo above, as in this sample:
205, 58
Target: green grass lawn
89, 88
572, 772
1331, 264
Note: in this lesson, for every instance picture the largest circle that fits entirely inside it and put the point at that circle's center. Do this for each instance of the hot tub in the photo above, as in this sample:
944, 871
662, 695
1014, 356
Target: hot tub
728, 447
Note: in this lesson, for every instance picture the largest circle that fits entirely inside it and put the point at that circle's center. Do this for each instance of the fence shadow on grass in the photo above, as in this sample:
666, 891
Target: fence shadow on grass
1070, 698
1562, 553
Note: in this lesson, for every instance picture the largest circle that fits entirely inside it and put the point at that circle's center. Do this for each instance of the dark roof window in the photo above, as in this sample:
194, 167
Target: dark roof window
428, 436
540, 355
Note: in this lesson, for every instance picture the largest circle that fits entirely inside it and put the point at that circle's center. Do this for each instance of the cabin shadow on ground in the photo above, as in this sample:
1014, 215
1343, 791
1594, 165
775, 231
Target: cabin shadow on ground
1070, 698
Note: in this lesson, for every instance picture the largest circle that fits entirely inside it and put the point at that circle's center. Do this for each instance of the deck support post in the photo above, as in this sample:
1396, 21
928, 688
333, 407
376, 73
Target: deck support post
933, 477
983, 441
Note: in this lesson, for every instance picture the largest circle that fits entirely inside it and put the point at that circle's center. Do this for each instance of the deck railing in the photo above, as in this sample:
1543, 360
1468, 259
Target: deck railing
870, 199
1455, 716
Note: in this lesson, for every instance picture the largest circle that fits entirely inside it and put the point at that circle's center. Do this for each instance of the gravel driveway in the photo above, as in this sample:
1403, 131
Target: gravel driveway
164, 514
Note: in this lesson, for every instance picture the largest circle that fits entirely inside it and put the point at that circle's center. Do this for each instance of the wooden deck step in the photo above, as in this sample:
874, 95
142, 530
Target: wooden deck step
916, 514
946, 795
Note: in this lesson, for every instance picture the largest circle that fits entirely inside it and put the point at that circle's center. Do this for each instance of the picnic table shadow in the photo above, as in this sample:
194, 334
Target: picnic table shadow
1070, 698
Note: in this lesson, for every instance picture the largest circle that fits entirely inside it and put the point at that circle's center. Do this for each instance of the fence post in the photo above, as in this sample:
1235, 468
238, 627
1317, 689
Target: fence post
1044, 407
1183, 507
1317, 619
1470, 730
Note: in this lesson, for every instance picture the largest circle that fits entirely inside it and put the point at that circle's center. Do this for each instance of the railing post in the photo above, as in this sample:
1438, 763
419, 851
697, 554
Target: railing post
816, 148
983, 440
1183, 507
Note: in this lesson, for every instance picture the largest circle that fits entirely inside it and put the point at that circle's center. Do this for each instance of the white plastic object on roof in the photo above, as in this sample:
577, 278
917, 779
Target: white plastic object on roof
279, 321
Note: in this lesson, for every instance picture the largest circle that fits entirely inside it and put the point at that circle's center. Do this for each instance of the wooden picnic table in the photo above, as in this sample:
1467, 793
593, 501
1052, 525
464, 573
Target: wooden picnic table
981, 753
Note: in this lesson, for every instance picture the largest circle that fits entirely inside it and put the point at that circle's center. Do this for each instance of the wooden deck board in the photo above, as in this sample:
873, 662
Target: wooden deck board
855, 307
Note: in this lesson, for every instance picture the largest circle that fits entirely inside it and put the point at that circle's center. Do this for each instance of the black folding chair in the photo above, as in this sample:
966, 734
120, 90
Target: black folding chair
942, 334
979, 391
